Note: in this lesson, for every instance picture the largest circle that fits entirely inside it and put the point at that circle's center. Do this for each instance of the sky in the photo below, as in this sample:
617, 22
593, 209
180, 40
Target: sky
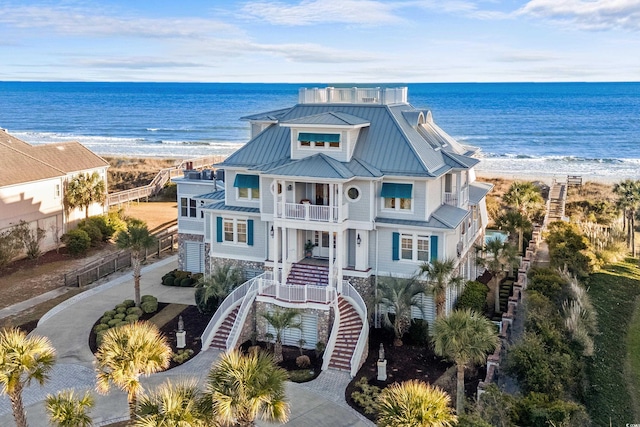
338, 41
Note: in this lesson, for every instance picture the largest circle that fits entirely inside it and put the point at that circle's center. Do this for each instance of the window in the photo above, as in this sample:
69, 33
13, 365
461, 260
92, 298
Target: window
414, 247
248, 186
353, 194
319, 140
235, 230
57, 191
397, 196
187, 207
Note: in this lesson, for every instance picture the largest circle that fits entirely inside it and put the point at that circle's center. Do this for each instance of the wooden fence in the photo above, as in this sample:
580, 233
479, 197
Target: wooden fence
159, 181
166, 241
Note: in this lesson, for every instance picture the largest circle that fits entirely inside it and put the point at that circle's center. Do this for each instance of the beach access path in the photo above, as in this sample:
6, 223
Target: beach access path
319, 402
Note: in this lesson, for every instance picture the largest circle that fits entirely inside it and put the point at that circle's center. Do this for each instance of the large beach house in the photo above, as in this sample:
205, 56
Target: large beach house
348, 185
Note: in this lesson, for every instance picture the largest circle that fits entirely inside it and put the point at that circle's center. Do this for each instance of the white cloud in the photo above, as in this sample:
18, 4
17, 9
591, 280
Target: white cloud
588, 14
73, 22
308, 12
313, 53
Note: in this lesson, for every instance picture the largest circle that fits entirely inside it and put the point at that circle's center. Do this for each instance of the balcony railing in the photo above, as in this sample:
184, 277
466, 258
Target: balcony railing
295, 293
353, 95
451, 198
309, 212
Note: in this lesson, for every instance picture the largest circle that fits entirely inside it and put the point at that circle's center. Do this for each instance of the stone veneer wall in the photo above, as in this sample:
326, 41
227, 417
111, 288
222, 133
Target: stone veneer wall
238, 263
365, 287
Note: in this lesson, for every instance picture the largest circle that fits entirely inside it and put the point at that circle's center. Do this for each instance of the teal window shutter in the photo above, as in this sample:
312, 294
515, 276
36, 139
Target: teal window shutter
246, 181
319, 137
395, 246
250, 232
219, 229
433, 246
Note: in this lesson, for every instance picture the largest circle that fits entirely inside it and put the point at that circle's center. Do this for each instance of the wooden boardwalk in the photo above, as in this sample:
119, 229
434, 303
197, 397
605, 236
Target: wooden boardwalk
558, 198
161, 179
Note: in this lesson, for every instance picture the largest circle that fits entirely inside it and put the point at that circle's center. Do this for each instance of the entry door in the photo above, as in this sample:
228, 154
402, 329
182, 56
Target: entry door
322, 194
322, 242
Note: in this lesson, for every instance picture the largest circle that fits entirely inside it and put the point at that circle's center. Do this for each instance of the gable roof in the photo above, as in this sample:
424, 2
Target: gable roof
19, 167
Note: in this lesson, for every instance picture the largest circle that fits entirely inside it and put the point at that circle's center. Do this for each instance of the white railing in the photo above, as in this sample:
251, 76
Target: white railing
247, 303
331, 343
353, 95
224, 309
451, 199
309, 212
348, 291
296, 293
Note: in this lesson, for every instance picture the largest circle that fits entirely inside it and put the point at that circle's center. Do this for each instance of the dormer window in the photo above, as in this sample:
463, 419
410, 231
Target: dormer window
319, 140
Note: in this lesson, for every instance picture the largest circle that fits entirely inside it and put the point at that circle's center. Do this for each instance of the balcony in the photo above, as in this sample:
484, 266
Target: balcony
355, 95
316, 213
451, 198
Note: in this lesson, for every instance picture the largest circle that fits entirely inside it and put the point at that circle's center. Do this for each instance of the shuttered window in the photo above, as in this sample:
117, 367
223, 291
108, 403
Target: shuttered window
233, 230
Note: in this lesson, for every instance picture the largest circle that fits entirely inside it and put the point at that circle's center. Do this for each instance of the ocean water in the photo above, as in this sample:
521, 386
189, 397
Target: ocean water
523, 129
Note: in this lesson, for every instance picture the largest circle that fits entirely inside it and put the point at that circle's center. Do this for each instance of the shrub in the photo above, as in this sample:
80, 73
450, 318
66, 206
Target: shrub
77, 241
473, 297
120, 316
419, 332
115, 221
99, 336
168, 280
208, 307
92, 230
29, 238
303, 361
130, 318
149, 306
135, 310
144, 298
121, 309
176, 281
367, 397
186, 282
128, 303
10, 246
105, 319
100, 327
182, 355
113, 322
110, 313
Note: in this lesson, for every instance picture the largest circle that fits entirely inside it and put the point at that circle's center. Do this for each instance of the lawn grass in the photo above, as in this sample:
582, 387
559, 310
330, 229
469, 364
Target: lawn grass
613, 291
633, 360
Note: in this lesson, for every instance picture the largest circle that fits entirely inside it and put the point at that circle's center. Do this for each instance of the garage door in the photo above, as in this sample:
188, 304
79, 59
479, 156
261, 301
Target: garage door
194, 257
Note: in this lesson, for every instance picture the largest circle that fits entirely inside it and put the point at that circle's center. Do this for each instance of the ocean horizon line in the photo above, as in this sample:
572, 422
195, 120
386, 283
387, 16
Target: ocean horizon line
334, 84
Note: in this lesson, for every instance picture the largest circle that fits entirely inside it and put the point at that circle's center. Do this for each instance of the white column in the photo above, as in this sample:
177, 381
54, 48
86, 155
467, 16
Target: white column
331, 200
340, 201
274, 246
275, 198
283, 279
331, 261
340, 258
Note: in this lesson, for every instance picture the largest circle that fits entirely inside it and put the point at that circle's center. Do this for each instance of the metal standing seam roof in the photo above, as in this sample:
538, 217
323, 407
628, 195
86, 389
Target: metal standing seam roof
316, 166
331, 118
216, 195
450, 215
478, 190
220, 206
390, 144
432, 223
272, 115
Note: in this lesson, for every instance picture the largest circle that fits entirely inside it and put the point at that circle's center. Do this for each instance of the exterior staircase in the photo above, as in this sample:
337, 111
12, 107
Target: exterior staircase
220, 338
308, 274
347, 338
557, 200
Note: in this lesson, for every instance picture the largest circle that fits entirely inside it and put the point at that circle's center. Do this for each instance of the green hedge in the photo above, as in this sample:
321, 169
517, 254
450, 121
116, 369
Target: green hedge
184, 279
474, 297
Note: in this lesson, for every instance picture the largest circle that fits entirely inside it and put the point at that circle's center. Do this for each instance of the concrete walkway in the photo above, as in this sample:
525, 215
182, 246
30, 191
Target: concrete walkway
318, 403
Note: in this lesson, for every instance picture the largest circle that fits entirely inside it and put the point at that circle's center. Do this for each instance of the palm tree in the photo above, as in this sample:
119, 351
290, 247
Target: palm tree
65, 409
241, 389
499, 256
215, 287
23, 359
414, 404
628, 193
172, 405
127, 352
83, 190
524, 197
398, 296
281, 320
464, 337
138, 239
514, 221
439, 279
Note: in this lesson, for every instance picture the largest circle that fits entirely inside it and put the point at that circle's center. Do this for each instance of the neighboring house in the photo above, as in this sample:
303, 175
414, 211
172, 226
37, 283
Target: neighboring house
32, 184
371, 183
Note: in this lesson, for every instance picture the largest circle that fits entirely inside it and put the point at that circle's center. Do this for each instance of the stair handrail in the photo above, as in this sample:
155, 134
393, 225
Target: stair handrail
223, 311
331, 343
358, 303
241, 316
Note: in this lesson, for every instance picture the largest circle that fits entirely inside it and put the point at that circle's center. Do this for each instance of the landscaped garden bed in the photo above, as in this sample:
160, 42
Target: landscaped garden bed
298, 372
